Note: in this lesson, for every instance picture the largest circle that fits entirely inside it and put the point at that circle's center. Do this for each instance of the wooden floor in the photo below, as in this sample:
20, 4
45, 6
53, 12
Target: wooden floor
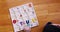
46, 10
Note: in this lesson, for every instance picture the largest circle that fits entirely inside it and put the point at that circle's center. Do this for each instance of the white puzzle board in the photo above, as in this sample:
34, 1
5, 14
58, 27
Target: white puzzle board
23, 15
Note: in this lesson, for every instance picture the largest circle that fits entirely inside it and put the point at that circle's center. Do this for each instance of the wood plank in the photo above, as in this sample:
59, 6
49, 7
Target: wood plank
46, 10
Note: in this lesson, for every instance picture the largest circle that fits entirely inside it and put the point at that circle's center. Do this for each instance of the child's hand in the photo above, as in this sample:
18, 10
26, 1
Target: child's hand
27, 29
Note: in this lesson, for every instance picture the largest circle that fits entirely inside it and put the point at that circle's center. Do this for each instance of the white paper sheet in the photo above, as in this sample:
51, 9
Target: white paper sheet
23, 15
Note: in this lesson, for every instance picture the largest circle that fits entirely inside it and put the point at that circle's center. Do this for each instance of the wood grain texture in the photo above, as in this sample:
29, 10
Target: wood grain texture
46, 10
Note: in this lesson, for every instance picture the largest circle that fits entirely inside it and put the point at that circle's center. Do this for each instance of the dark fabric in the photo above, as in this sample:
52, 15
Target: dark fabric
51, 28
